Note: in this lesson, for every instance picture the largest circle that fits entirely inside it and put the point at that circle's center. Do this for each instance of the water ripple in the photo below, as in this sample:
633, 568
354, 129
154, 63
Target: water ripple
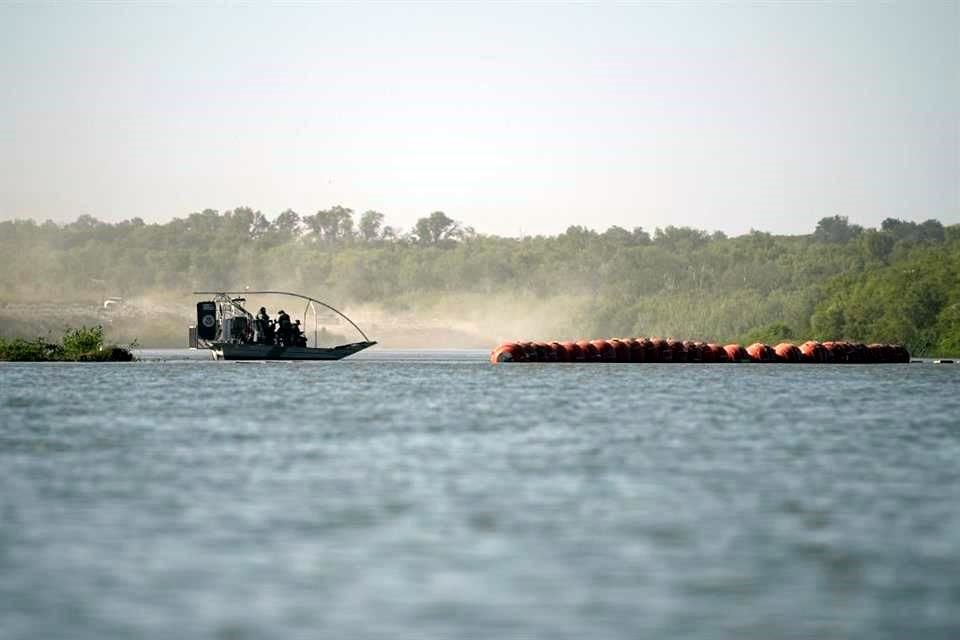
435, 496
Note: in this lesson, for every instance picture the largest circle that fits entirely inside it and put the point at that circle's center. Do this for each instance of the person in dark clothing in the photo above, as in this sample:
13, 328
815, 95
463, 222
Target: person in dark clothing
283, 328
264, 327
299, 339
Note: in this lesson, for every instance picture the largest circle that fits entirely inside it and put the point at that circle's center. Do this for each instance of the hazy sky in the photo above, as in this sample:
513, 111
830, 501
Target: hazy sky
511, 118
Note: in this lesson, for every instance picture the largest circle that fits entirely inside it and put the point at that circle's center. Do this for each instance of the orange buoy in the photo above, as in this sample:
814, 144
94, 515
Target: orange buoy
508, 352
851, 350
604, 350
663, 353
760, 352
893, 352
651, 350
707, 354
649, 353
676, 350
574, 353
590, 352
559, 352
812, 351
534, 354
714, 353
853, 353
736, 353
841, 352
787, 352
621, 350
694, 351
544, 352
831, 351
859, 353
890, 353
636, 350
658, 350
529, 352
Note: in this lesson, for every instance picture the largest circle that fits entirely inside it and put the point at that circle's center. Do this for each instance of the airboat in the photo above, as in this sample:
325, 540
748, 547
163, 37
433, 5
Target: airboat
231, 332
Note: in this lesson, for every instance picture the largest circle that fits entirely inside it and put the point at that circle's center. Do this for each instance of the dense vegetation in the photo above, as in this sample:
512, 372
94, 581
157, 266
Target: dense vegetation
899, 283
77, 345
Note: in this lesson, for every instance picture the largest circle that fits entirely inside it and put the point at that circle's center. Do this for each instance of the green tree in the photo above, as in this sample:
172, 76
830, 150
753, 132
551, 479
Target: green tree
287, 225
679, 238
370, 225
877, 245
436, 228
331, 226
836, 229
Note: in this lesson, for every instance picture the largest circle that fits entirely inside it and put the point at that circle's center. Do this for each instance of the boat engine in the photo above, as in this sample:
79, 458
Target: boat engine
207, 320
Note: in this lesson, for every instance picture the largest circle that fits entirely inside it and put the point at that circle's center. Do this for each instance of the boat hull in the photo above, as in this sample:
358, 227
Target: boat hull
230, 351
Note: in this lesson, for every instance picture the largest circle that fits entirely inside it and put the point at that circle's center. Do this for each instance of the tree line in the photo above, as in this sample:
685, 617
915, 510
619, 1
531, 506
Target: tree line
896, 283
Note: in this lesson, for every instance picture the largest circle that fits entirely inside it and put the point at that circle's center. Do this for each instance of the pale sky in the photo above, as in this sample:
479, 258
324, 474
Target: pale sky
511, 118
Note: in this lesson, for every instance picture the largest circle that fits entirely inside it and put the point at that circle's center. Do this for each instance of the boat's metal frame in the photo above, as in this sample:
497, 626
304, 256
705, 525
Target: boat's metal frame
229, 306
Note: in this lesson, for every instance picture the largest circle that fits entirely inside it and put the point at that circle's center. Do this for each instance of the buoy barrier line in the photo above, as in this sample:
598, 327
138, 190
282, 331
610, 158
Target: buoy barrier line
669, 350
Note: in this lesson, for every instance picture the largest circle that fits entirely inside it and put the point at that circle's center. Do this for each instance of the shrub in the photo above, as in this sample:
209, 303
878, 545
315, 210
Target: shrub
37, 350
82, 341
78, 345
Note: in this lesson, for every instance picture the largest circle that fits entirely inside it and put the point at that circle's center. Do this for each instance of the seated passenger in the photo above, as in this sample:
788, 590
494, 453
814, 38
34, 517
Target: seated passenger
299, 338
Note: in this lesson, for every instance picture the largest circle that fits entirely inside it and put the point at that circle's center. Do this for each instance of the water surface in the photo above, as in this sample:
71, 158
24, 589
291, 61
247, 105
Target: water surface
398, 494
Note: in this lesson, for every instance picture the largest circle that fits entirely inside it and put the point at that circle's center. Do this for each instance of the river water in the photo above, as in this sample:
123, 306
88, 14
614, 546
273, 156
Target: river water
400, 495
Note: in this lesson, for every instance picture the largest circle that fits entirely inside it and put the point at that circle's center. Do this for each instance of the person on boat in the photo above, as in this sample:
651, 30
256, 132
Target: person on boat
299, 338
264, 327
283, 328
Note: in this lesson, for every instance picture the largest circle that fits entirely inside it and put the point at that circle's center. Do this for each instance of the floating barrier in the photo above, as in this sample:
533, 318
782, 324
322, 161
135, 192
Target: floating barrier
659, 350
